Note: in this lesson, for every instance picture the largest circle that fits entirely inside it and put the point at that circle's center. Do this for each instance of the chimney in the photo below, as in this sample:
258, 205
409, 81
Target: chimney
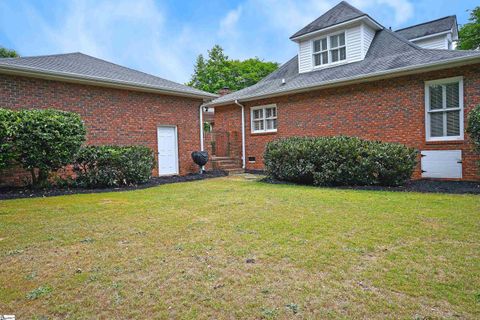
224, 91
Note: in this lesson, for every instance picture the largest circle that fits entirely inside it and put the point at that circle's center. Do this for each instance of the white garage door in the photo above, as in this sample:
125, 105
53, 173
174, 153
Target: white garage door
167, 151
442, 164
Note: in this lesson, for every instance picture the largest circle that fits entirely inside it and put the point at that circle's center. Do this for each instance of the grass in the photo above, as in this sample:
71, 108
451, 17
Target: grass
181, 251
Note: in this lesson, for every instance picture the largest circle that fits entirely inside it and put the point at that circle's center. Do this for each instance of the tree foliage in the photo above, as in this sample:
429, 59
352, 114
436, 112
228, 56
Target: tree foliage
469, 33
218, 71
8, 53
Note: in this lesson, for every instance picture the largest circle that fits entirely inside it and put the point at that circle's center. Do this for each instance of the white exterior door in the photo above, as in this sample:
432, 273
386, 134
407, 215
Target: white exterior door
167, 151
442, 164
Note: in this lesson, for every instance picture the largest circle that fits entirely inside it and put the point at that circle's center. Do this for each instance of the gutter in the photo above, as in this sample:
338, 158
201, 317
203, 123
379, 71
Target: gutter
243, 132
97, 81
362, 78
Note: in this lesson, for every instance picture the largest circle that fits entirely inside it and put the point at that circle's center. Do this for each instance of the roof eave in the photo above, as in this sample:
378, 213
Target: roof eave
109, 83
432, 35
338, 25
359, 79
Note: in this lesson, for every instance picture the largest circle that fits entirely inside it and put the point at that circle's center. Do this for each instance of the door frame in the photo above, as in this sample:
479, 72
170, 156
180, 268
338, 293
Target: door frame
176, 150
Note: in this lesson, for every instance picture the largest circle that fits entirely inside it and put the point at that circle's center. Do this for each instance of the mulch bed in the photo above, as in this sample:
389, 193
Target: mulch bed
15, 192
425, 186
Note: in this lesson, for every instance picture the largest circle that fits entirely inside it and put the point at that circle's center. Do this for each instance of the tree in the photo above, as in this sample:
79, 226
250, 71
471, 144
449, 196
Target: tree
469, 33
218, 71
8, 53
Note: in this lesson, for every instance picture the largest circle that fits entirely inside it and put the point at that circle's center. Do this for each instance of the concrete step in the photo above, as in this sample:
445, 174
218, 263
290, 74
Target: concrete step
234, 171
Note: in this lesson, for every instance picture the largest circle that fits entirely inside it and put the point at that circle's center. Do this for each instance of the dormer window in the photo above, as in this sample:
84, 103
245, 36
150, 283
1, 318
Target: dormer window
320, 51
329, 49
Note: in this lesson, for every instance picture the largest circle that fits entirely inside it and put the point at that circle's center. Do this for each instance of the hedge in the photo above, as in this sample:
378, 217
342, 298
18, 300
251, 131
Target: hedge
339, 161
8, 121
473, 127
41, 141
108, 166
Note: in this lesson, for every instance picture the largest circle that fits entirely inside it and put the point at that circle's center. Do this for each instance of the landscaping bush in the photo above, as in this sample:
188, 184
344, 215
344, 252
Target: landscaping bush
108, 166
473, 127
47, 140
339, 161
8, 120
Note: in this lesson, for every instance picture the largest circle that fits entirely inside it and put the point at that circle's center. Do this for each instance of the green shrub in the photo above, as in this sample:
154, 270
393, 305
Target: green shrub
473, 127
8, 120
46, 140
339, 161
107, 166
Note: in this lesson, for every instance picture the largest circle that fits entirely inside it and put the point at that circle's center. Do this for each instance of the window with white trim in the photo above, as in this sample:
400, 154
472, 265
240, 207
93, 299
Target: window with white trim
329, 49
264, 118
444, 109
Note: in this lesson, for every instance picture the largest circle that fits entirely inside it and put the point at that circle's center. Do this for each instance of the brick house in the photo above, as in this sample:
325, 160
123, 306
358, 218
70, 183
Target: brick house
354, 77
118, 105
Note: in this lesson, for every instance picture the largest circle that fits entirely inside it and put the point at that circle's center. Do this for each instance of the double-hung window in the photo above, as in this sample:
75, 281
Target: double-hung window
444, 109
264, 118
320, 51
330, 49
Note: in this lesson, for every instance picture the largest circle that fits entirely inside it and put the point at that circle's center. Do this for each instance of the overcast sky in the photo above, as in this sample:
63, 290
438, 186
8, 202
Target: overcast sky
163, 37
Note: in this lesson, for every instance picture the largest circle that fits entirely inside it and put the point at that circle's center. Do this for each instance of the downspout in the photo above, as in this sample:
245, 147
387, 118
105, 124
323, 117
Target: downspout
243, 132
201, 133
201, 127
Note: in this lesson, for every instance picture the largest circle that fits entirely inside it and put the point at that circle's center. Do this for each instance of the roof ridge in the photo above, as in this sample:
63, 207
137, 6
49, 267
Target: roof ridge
44, 55
426, 22
403, 39
344, 3
348, 4
83, 66
135, 70
282, 67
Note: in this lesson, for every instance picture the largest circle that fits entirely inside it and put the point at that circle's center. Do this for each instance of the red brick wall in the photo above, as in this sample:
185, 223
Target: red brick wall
112, 116
230, 119
390, 110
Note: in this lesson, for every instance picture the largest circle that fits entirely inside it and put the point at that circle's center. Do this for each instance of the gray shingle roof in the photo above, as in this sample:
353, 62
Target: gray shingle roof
340, 13
81, 66
388, 53
428, 28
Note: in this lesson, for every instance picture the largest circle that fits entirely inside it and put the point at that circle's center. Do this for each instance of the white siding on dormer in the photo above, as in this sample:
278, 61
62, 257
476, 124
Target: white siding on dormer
354, 43
305, 56
439, 42
357, 38
368, 35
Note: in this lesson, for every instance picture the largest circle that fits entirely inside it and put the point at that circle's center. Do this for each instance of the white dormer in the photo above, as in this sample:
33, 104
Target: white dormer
437, 34
342, 35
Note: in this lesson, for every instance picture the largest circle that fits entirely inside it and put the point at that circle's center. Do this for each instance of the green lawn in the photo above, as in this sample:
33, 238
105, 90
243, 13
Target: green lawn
181, 250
